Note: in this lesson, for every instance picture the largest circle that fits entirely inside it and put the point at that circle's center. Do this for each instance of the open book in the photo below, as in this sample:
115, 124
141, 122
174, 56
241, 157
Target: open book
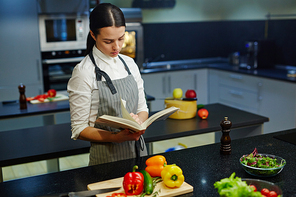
127, 120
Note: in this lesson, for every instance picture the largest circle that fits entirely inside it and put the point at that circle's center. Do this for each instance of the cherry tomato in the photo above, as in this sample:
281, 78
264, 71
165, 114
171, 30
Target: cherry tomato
30, 98
265, 192
41, 99
254, 187
118, 195
272, 194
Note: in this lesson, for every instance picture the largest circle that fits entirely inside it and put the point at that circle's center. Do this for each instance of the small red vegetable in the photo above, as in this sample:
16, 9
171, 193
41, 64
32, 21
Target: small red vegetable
51, 93
41, 99
203, 113
133, 182
253, 186
272, 194
265, 192
117, 195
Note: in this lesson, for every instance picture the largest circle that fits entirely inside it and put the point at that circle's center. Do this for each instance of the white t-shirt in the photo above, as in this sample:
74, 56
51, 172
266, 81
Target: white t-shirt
82, 87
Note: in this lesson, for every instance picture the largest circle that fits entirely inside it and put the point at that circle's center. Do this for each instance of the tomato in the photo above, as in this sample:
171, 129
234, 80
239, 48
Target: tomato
52, 93
118, 195
272, 194
41, 99
203, 113
30, 98
254, 187
265, 192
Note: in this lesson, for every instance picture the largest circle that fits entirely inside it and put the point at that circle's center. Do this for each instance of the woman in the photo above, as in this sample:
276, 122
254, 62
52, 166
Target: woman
99, 83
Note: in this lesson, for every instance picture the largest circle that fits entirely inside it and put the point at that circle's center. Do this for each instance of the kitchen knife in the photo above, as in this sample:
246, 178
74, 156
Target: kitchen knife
86, 193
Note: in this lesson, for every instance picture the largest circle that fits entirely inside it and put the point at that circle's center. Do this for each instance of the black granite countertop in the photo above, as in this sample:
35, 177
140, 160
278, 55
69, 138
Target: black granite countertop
202, 167
277, 72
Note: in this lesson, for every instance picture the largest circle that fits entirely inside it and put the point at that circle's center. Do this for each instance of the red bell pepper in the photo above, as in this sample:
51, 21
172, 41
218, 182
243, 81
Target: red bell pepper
133, 182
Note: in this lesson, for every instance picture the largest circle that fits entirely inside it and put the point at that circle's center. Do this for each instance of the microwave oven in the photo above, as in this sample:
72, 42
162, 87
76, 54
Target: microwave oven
63, 31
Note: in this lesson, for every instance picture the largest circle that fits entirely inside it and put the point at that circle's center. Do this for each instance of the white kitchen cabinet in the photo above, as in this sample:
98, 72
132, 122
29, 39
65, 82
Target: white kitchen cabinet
20, 53
161, 85
271, 98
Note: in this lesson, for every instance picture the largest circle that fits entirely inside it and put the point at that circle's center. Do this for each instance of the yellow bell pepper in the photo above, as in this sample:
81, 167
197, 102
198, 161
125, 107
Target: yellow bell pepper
172, 176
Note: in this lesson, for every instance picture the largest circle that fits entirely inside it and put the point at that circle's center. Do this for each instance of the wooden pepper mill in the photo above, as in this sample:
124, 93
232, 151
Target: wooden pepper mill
22, 100
225, 147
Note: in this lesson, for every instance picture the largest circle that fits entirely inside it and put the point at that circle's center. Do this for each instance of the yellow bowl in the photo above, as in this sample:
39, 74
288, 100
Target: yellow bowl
187, 108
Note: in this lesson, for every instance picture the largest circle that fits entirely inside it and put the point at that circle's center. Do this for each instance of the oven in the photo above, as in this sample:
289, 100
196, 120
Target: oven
57, 67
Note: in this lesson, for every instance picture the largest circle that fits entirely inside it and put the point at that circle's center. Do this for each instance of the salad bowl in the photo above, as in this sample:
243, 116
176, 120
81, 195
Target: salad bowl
260, 184
277, 164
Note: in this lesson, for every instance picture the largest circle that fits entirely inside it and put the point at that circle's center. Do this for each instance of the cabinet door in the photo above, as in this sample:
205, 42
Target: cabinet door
20, 54
278, 104
236, 90
156, 85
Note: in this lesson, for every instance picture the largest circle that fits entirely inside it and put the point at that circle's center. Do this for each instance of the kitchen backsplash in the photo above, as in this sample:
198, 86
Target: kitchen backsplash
178, 41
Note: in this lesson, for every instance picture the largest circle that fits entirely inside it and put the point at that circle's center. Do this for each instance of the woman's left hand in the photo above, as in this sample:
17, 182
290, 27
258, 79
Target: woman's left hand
136, 117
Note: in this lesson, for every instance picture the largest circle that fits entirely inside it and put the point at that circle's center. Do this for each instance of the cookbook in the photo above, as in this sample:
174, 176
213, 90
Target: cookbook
128, 122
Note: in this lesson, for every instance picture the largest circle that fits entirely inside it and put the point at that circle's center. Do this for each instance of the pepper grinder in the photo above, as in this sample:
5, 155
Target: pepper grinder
225, 147
22, 100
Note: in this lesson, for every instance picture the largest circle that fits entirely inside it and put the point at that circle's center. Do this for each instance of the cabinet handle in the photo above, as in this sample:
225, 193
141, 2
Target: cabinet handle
236, 93
195, 81
169, 84
163, 85
38, 70
233, 76
259, 91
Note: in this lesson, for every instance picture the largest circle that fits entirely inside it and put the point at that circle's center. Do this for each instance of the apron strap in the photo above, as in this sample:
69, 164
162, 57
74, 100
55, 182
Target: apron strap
126, 67
100, 73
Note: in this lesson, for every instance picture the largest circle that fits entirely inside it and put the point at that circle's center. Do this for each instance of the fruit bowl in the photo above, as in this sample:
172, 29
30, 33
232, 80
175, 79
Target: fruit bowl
264, 172
260, 184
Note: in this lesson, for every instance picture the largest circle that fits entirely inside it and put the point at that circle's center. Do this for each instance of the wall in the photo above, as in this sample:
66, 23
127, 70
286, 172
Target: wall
214, 10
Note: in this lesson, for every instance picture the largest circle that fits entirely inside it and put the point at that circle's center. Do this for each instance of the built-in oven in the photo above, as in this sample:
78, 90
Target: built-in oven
63, 44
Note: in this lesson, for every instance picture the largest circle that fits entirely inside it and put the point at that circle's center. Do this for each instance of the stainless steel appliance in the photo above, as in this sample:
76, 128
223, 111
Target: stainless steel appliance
260, 54
63, 31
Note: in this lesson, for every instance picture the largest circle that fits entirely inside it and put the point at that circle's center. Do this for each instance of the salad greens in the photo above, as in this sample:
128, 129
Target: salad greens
258, 161
234, 186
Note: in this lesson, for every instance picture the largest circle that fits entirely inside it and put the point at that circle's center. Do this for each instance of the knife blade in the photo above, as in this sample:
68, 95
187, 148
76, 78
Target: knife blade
92, 192
86, 193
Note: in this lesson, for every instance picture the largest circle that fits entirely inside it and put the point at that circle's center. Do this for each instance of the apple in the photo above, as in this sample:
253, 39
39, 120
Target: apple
190, 94
177, 93
203, 113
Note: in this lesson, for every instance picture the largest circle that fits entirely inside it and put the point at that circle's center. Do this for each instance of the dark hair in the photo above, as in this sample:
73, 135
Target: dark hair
103, 15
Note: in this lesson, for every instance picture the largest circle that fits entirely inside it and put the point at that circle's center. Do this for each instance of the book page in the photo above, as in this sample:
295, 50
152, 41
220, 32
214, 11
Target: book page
161, 115
125, 113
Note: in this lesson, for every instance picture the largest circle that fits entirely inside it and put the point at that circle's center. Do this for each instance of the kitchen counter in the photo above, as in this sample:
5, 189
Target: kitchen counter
202, 167
278, 72
53, 141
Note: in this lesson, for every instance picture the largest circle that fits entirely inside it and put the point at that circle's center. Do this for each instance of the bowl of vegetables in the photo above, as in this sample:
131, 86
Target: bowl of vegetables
236, 186
266, 188
262, 165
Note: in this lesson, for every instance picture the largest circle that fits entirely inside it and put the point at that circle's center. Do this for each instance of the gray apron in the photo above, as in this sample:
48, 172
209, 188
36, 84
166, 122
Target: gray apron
110, 94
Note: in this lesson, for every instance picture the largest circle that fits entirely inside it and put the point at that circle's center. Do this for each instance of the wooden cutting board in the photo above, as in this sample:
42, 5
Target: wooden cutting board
164, 191
58, 97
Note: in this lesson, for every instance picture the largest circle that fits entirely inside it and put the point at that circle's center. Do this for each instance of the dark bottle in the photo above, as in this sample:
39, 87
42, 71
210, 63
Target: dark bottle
225, 147
22, 100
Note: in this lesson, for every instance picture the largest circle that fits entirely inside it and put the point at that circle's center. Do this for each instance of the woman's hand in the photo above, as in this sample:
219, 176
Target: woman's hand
136, 118
127, 135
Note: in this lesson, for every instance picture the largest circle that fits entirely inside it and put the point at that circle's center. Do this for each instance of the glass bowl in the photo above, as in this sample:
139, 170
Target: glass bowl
260, 184
264, 172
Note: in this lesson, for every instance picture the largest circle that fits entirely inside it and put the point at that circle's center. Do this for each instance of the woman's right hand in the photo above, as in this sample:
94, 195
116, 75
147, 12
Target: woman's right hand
127, 135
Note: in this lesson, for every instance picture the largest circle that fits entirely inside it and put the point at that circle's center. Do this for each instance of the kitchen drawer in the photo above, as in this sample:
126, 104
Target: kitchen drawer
240, 81
239, 97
